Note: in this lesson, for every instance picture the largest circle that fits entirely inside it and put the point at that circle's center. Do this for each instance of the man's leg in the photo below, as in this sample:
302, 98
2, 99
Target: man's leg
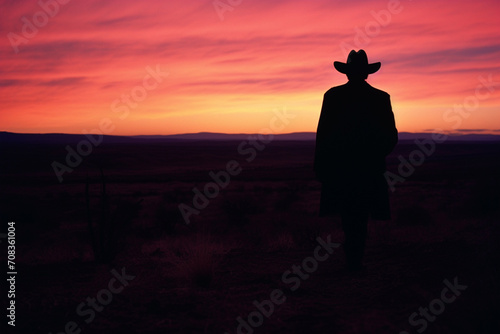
355, 227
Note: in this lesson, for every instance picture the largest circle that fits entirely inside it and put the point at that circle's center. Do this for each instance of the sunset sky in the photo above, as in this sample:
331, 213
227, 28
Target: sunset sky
68, 67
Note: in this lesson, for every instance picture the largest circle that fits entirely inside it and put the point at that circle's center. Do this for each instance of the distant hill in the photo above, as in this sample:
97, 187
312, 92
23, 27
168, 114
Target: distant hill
451, 137
228, 136
56, 138
312, 136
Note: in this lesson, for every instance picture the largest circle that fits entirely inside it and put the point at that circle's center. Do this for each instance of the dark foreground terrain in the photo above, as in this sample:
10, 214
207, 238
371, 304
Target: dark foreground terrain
248, 261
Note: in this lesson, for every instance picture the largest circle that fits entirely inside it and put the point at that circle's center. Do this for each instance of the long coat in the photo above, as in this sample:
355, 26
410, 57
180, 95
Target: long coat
356, 131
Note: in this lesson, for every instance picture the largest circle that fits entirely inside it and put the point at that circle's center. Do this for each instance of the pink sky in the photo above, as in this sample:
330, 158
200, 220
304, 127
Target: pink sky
229, 75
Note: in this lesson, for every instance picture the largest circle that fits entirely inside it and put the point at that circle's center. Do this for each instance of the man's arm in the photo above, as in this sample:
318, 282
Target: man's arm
390, 130
321, 141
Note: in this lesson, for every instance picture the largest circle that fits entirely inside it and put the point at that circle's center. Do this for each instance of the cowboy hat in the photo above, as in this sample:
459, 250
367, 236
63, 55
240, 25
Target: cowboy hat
357, 62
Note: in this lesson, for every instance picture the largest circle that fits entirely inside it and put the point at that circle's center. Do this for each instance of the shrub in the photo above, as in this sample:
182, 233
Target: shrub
196, 260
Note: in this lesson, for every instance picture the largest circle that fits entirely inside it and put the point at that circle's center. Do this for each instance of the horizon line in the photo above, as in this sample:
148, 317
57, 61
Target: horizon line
456, 132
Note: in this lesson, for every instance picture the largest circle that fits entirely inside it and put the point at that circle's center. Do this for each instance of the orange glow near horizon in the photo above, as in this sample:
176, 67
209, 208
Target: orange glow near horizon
229, 75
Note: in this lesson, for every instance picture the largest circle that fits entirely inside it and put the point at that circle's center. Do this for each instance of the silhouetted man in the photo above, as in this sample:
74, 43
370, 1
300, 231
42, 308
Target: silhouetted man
356, 131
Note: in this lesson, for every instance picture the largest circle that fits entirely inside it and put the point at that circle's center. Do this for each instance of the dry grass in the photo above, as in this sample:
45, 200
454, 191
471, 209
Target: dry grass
283, 241
195, 259
200, 278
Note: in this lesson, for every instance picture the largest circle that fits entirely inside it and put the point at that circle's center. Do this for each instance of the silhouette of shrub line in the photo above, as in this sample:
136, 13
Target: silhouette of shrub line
292, 277
248, 149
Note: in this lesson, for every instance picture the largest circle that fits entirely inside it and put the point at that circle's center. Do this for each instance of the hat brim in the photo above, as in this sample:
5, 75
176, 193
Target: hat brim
347, 68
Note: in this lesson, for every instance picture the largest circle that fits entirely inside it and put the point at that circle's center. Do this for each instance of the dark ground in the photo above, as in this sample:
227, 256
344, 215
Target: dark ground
199, 278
